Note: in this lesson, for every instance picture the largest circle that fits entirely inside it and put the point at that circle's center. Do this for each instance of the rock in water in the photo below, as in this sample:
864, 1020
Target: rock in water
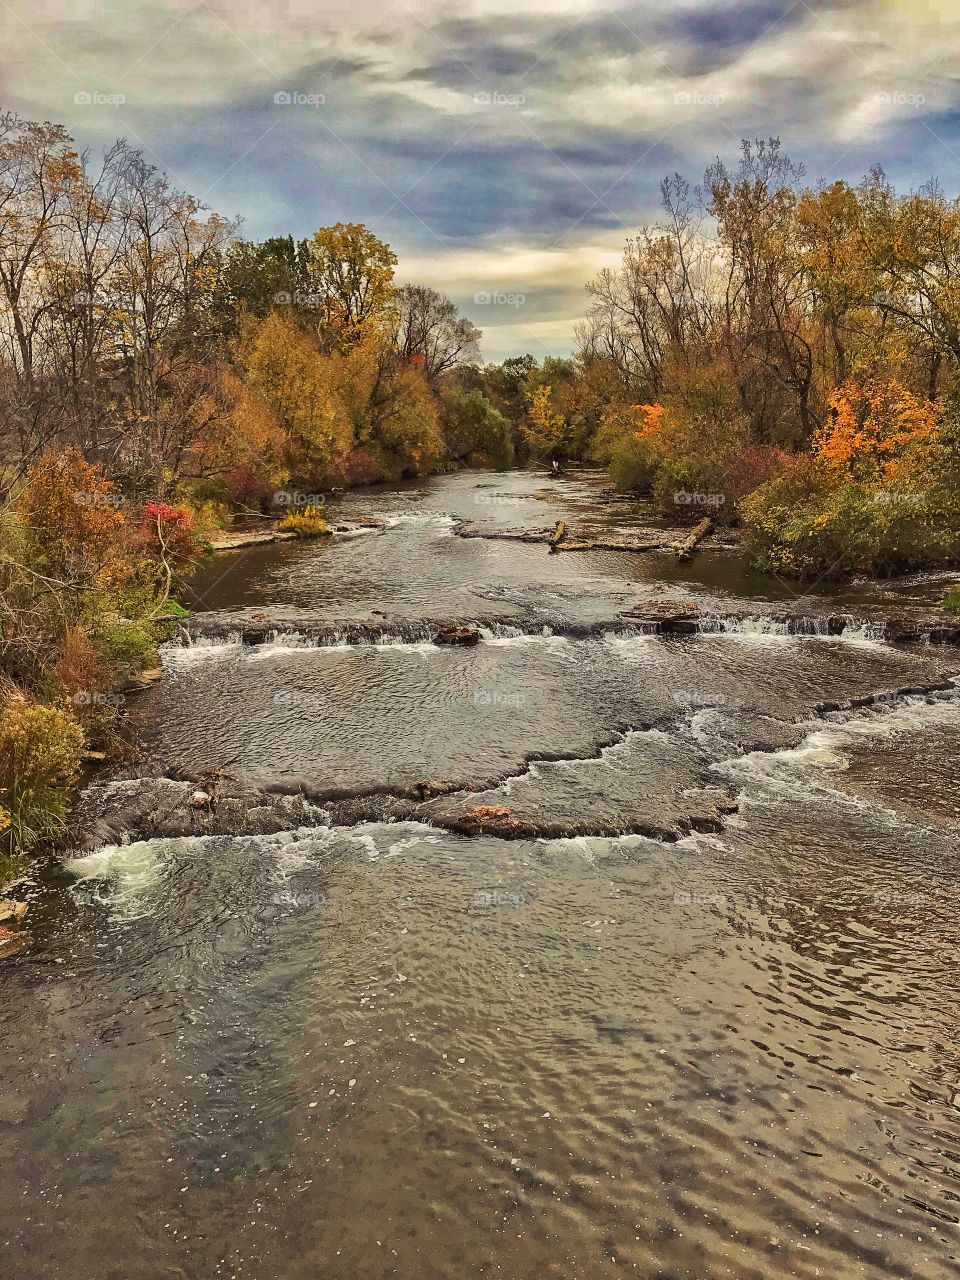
11, 943
466, 636
11, 911
673, 619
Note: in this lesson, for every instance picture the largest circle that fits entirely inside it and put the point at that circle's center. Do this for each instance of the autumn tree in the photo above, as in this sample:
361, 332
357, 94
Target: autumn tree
875, 431
660, 298
545, 429
285, 367
429, 331
350, 274
392, 410
39, 168
914, 246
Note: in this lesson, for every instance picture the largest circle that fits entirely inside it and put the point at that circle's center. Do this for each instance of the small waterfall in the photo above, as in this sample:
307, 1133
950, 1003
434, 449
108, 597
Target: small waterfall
848, 626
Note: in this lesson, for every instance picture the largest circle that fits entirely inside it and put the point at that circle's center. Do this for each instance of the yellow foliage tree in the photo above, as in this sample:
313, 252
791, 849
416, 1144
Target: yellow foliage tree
545, 429
351, 272
285, 367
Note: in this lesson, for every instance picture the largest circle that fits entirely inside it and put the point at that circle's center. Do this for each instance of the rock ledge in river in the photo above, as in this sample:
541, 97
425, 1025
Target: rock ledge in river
453, 635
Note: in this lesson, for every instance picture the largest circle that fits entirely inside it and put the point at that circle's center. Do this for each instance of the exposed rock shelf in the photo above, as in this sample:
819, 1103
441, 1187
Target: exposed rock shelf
584, 538
240, 539
523, 804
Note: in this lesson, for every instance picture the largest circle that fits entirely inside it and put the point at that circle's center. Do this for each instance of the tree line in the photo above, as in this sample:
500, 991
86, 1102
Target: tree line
139, 329
790, 352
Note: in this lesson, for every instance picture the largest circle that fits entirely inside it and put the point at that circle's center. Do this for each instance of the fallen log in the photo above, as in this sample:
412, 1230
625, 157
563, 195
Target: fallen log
688, 546
558, 535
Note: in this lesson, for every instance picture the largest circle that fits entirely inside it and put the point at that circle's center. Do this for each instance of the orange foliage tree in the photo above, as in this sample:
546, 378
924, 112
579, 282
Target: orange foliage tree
877, 432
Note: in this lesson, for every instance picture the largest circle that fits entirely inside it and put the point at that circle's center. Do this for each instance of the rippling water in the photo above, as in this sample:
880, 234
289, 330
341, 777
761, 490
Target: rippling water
389, 1050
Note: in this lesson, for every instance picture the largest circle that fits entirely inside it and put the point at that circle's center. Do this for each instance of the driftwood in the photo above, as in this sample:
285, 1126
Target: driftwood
688, 546
558, 535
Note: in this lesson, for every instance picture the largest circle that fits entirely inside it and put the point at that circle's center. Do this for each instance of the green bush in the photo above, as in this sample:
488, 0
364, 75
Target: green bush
808, 524
125, 646
474, 431
631, 468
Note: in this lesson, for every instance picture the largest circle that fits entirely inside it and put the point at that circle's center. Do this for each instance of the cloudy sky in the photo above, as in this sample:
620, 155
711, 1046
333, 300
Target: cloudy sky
504, 148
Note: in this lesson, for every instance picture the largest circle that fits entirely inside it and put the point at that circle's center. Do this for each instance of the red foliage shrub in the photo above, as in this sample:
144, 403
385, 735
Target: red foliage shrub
170, 533
247, 486
756, 466
361, 468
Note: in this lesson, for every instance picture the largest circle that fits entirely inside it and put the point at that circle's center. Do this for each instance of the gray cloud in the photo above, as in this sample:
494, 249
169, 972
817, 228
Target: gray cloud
524, 145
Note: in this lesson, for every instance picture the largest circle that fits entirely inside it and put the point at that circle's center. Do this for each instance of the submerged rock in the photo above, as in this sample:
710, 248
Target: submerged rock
492, 820
675, 619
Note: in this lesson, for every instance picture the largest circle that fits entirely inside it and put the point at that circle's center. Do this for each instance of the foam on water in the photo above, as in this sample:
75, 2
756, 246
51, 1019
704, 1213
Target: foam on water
199, 649
828, 745
426, 520
123, 875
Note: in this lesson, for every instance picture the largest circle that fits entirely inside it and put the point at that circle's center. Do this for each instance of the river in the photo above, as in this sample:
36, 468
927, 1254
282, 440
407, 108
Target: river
700, 1020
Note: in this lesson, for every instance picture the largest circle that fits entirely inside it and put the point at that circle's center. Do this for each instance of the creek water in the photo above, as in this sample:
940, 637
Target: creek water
711, 1030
